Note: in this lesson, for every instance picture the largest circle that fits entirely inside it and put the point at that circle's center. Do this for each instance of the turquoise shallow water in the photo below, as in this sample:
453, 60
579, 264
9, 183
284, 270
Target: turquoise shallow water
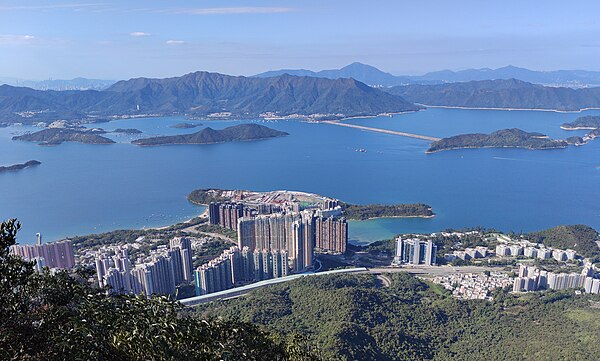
82, 189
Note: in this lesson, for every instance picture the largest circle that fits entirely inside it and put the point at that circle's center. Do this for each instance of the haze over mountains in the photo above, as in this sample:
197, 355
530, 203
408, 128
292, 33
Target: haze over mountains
213, 95
59, 84
375, 77
509, 94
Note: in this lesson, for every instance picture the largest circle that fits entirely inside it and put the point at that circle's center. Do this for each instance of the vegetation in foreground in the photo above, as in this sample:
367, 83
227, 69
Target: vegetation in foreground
352, 317
59, 317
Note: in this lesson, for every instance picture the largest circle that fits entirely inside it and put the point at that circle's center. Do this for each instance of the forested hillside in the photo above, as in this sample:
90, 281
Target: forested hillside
354, 318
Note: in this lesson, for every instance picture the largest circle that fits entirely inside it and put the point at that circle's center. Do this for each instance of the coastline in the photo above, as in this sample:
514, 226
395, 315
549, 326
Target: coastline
390, 217
484, 147
230, 141
508, 109
390, 114
201, 215
577, 128
313, 194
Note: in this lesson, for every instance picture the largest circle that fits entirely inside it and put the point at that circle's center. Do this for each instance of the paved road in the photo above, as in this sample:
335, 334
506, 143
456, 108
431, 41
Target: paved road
433, 270
378, 272
386, 131
384, 280
240, 291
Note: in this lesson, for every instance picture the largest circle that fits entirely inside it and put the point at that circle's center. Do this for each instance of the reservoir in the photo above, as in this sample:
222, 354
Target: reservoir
80, 189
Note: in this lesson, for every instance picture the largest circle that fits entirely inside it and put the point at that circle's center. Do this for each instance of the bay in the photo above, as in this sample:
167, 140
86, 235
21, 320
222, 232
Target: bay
81, 189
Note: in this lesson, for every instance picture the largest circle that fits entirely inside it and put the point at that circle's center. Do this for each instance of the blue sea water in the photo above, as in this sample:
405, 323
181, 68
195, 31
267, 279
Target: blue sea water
81, 189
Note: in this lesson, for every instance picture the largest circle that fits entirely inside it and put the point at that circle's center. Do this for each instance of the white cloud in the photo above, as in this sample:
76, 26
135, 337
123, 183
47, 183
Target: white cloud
230, 10
138, 34
15, 39
175, 42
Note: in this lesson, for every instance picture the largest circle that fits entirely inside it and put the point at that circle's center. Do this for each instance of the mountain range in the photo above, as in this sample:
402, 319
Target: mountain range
203, 94
59, 84
508, 94
375, 77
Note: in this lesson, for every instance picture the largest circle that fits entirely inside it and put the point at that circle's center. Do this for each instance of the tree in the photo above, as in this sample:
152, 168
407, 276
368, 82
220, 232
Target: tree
59, 316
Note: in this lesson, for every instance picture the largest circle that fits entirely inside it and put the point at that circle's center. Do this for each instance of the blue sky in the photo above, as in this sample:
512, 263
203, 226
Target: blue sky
123, 39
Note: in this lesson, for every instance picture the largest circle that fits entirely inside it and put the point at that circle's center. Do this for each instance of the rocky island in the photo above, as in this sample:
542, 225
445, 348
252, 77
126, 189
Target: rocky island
17, 167
55, 136
208, 135
506, 138
582, 123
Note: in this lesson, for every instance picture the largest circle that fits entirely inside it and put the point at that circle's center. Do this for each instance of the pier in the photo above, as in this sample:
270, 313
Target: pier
385, 131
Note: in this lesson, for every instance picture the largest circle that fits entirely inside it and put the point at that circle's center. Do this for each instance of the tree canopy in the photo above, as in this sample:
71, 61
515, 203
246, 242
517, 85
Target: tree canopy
45, 316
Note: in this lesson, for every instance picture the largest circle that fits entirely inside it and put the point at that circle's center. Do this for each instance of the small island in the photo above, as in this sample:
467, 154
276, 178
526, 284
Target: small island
127, 131
308, 200
583, 123
506, 138
186, 125
55, 136
242, 132
17, 167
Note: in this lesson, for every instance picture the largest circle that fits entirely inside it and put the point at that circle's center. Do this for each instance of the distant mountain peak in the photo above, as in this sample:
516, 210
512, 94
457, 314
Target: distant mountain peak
205, 94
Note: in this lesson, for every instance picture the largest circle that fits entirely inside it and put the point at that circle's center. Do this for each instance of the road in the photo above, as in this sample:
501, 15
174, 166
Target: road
379, 130
240, 291
432, 270
377, 272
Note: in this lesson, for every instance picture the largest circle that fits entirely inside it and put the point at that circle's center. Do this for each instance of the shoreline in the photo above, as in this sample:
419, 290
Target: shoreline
390, 217
201, 215
509, 109
577, 128
231, 141
349, 219
499, 147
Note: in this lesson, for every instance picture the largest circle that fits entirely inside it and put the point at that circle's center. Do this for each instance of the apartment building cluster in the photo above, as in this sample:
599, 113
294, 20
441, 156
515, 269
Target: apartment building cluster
227, 214
292, 232
163, 271
327, 231
532, 250
468, 253
510, 248
415, 251
473, 286
235, 267
55, 255
532, 278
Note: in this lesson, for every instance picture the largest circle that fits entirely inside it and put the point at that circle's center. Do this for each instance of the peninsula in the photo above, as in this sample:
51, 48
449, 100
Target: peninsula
506, 138
55, 136
310, 200
17, 167
363, 212
208, 135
